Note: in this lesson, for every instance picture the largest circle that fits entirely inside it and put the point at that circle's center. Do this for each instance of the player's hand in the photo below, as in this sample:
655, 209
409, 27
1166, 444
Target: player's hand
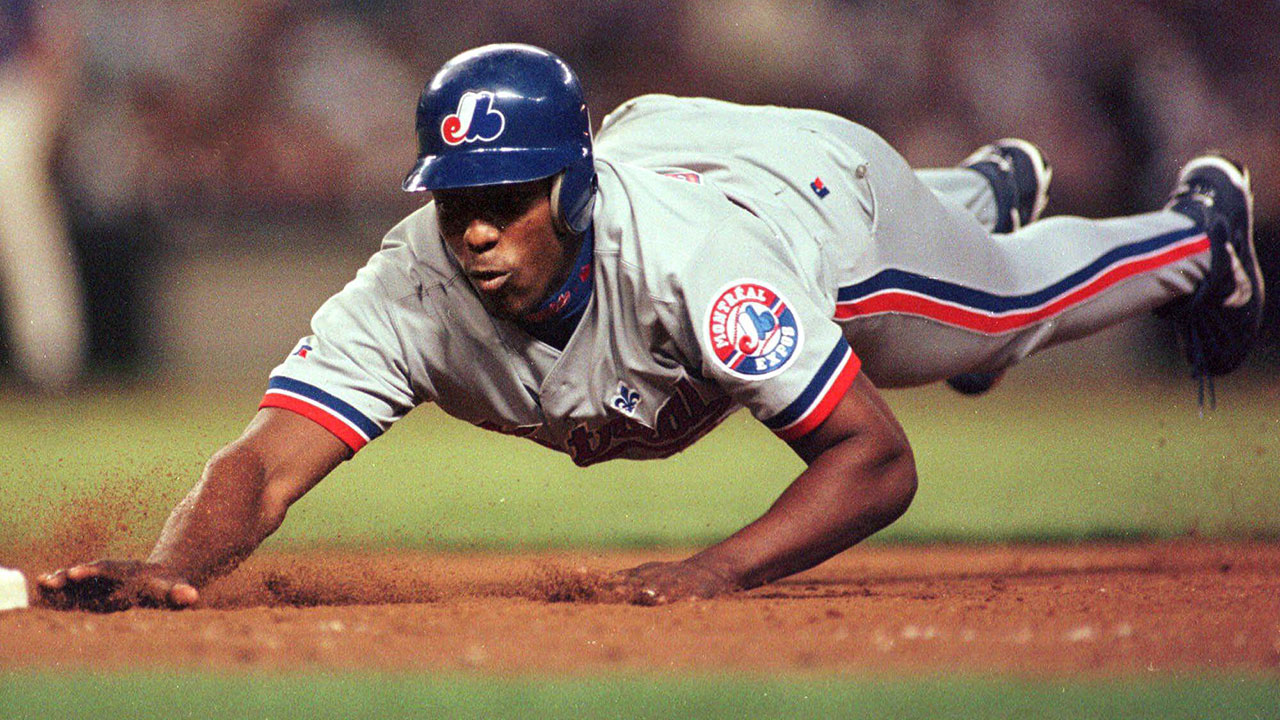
659, 583
114, 585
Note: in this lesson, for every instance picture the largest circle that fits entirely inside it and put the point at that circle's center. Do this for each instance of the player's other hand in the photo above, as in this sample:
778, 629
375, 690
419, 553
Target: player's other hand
114, 585
659, 583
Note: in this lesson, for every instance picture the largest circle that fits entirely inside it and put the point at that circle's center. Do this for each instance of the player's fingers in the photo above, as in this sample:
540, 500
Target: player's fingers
55, 580
99, 586
77, 573
166, 593
633, 591
647, 597
612, 591
182, 595
96, 594
618, 589
110, 570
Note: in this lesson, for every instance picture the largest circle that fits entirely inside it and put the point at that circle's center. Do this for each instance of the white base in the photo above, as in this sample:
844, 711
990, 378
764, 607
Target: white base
13, 590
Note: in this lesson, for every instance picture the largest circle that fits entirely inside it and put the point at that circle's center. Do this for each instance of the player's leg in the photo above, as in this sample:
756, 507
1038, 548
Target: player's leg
1206, 262
38, 278
964, 189
1004, 185
1056, 280
937, 298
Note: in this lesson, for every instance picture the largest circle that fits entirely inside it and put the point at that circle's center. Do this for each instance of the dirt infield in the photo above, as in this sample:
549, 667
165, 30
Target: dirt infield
1027, 609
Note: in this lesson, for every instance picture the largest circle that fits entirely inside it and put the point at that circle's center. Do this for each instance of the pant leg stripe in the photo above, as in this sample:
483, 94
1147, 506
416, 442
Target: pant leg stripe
896, 291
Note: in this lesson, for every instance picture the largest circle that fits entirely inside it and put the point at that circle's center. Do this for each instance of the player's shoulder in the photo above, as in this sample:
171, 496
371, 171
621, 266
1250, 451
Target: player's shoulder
637, 108
661, 223
670, 121
665, 205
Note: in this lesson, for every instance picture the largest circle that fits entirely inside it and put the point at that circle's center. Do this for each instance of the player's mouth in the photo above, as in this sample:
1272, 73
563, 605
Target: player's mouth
489, 281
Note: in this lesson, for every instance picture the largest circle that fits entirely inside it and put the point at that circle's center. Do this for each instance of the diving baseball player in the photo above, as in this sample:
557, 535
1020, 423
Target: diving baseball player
619, 297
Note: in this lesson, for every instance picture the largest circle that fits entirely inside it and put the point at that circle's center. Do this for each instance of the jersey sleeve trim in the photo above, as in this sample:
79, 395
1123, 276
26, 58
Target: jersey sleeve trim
820, 396
338, 417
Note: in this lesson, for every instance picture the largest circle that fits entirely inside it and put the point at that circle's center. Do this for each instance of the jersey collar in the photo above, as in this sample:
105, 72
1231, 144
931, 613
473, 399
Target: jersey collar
554, 321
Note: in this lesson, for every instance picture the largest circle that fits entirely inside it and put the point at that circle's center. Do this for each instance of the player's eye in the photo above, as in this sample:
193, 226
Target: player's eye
452, 216
498, 205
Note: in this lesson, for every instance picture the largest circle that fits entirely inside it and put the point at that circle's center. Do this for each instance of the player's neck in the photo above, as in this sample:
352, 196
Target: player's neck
555, 319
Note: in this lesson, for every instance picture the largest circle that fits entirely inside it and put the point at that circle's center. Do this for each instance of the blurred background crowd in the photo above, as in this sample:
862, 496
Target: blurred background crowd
158, 130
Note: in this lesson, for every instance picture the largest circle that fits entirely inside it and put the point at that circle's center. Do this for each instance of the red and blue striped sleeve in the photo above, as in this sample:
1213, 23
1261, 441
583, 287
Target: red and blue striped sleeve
765, 328
350, 375
819, 397
333, 414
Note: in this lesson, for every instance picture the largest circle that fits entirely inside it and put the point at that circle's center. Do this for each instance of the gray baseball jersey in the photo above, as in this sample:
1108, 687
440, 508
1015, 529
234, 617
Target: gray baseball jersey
744, 257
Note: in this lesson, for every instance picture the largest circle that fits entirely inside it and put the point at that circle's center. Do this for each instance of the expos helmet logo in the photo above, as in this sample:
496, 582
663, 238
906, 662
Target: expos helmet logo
752, 330
475, 119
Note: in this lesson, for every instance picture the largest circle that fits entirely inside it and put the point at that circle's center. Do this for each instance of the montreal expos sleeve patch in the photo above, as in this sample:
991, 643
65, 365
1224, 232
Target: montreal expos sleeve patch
344, 421
751, 330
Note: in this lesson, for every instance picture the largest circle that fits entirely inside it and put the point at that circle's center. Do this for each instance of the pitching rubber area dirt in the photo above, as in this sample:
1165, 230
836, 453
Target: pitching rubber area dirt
1089, 609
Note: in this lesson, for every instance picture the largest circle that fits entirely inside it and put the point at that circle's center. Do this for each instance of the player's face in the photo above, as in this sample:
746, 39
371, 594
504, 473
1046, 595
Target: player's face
503, 237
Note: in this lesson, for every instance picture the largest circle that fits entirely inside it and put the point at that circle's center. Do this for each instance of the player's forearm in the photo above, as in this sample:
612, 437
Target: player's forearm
847, 493
222, 520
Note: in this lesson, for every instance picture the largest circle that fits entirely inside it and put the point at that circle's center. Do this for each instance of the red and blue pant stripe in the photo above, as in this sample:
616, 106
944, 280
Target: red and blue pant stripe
899, 291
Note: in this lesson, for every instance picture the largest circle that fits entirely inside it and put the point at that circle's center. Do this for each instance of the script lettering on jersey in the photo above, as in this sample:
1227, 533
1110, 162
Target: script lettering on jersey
523, 431
684, 418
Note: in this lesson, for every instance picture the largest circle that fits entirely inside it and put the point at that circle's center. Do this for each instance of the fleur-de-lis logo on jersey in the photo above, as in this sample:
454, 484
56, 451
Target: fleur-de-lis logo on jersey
627, 399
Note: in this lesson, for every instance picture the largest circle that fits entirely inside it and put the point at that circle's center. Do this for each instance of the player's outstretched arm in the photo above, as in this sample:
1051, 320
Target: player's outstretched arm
861, 477
242, 497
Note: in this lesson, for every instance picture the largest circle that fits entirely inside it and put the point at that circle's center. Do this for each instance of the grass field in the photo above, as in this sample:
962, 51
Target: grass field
1053, 463
354, 696
1026, 463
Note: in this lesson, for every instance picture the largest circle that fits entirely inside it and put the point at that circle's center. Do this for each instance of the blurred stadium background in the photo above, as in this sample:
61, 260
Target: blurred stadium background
222, 167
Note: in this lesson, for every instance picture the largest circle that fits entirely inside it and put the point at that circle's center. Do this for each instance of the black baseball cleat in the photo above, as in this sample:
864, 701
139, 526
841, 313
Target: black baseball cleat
1020, 176
974, 383
1219, 322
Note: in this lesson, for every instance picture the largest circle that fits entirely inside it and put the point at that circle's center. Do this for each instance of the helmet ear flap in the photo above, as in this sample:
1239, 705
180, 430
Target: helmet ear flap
557, 218
573, 193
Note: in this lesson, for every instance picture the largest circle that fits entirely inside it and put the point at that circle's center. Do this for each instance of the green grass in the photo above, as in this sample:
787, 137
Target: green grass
42, 696
1025, 462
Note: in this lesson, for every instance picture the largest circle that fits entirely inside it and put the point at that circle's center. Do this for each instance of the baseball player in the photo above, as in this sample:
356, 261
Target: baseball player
40, 285
619, 297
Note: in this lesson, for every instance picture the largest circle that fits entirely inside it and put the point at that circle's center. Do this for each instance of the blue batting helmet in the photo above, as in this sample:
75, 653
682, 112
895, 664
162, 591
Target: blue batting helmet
503, 114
